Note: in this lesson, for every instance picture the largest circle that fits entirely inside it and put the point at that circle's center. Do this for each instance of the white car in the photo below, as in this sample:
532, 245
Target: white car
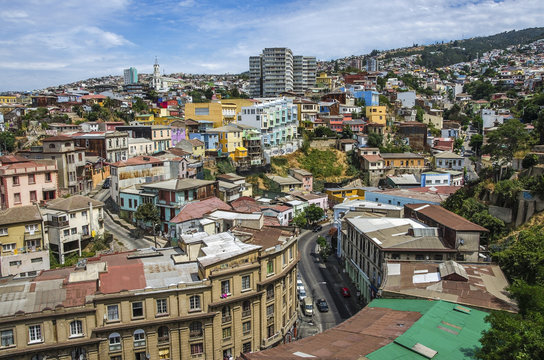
300, 285
301, 294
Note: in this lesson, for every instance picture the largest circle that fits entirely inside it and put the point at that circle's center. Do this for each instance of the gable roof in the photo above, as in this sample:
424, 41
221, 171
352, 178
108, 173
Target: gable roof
197, 209
74, 202
445, 217
20, 214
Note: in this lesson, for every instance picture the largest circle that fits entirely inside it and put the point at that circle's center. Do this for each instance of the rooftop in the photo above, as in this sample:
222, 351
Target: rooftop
20, 214
445, 217
72, 203
485, 286
405, 155
138, 160
447, 155
284, 180
179, 184
197, 209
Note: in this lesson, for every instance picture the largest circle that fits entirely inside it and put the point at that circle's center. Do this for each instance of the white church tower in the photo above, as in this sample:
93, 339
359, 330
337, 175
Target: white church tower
156, 75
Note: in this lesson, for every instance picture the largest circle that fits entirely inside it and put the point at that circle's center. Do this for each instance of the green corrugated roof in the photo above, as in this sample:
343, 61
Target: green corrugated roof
451, 333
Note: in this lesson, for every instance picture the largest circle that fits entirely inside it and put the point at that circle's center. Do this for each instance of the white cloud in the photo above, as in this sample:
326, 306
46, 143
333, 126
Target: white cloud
186, 3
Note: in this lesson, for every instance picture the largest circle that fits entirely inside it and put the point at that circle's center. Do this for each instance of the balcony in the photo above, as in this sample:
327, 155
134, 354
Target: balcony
36, 236
195, 333
226, 319
246, 313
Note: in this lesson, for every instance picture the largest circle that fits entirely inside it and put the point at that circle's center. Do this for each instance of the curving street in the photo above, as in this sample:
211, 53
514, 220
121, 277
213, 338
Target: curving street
323, 280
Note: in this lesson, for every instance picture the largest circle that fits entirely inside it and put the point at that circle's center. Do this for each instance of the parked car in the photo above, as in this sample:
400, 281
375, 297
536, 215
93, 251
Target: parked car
300, 285
308, 306
345, 292
301, 294
318, 228
106, 184
322, 305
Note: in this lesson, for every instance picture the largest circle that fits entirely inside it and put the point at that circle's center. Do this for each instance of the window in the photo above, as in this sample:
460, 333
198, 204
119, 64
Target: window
163, 334
35, 333
113, 312
6, 338
195, 329
36, 260
31, 228
115, 342
17, 198
225, 313
76, 328
137, 309
31, 179
139, 338
15, 180
270, 330
246, 308
225, 288
270, 292
72, 215
246, 327
226, 333
4, 232
270, 267
66, 232
84, 214
15, 263
162, 308
73, 231
246, 347
194, 302
246, 283
33, 196
85, 230
197, 349
270, 310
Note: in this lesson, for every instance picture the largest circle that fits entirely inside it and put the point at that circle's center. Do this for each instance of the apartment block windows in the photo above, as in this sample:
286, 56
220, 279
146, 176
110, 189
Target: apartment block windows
113, 312
137, 309
195, 329
246, 282
225, 288
226, 333
6, 338
246, 327
15, 180
31, 179
35, 333
139, 338
197, 349
17, 198
115, 342
194, 302
162, 307
246, 347
76, 328
33, 196
269, 267
4, 232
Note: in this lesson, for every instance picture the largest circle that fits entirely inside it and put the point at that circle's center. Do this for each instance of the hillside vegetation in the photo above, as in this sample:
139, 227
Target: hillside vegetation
457, 51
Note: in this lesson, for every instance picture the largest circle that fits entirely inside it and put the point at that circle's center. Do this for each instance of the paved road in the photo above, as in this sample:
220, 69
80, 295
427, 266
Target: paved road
471, 172
320, 282
123, 235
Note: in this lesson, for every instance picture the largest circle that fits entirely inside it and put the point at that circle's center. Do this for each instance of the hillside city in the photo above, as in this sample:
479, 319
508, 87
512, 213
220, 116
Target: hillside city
378, 206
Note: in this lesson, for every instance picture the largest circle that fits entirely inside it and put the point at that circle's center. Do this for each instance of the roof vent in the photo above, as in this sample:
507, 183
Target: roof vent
81, 264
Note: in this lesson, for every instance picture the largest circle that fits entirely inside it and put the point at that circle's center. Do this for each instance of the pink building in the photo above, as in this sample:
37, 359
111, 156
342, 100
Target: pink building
305, 176
26, 182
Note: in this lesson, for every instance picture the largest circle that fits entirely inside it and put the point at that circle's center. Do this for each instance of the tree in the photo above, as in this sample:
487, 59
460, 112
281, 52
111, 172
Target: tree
300, 220
314, 213
419, 113
504, 142
139, 106
7, 141
529, 160
324, 247
374, 140
539, 126
346, 133
322, 131
476, 142
148, 213
458, 144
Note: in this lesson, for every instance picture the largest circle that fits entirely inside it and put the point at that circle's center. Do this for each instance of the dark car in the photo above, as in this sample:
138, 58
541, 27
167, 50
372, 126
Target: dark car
345, 292
106, 184
318, 228
322, 305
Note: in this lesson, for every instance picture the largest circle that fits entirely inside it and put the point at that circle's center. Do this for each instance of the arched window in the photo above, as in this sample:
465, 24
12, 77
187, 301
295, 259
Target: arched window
139, 338
115, 341
194, 302
163, 334
76, 328
195, 329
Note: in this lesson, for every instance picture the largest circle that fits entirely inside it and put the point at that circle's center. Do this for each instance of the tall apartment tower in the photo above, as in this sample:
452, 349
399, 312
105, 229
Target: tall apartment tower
131, 76
276, 70
371, 64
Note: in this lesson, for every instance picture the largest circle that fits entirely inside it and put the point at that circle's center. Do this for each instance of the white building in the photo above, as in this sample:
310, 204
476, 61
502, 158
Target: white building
72, 223
407, 98
490, 118
277, 120
139, 146
449, 160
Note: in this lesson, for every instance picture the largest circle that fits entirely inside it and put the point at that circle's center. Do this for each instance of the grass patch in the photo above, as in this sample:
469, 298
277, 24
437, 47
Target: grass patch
321, 163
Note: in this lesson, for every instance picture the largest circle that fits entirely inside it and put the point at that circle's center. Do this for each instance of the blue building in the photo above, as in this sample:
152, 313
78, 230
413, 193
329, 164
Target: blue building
401, 197
209, 139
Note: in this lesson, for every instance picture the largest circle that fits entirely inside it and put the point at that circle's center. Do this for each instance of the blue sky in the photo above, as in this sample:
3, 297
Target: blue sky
50, 42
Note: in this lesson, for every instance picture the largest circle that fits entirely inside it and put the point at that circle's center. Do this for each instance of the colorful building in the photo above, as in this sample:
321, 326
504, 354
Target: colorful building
377, 114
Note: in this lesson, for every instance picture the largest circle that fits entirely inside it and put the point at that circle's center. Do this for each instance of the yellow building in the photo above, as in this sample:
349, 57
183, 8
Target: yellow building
23, 251
434, 117
403, 160
221, 113
230, 138
337, 196
377, 114
144, 119
323, 80
306, 113
7, 100
160, 304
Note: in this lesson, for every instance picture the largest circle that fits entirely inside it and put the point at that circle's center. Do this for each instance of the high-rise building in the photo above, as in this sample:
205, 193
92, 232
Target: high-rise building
276, 70
371, 64
131, 76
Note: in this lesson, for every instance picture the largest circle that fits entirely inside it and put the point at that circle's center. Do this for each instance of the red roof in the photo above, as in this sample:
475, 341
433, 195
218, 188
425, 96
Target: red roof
122, 274
271, 221
98, 96
445, 217
448, 190
58, 138
246, 204
197, 209
372, 158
